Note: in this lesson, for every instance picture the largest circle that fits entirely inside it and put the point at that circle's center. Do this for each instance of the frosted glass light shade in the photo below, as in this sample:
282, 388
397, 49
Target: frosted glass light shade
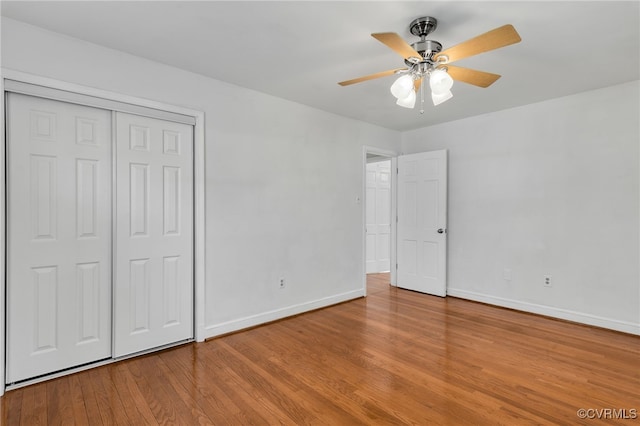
438, 99
409, 101
440, 82
402, 86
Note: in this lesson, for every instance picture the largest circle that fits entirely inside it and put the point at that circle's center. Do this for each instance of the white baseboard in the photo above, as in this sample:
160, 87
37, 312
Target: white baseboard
612, 324
265, 317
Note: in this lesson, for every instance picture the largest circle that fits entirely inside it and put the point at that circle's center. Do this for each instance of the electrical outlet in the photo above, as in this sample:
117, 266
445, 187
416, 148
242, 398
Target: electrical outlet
281, 281
547, 280
506, 274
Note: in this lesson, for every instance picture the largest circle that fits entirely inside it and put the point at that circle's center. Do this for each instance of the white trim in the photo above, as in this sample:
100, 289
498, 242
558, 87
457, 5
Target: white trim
266, 317
392, 155
114, 229
10, 74
199, 189
549, 311
93, 101
394, 223
3, 240
199, 230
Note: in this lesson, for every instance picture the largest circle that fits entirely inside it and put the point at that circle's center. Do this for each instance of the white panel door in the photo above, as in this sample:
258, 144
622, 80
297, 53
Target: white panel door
154, 233
58, 236
378, 217
422, 222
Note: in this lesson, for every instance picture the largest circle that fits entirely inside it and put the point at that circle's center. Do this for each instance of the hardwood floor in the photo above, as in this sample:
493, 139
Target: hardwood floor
395, 357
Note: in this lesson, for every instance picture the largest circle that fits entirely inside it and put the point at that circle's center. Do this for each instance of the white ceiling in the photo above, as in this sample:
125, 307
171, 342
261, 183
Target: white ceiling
299, 50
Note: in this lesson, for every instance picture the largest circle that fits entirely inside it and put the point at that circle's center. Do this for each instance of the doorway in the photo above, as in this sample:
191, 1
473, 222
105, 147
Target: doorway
418, 229
378, 212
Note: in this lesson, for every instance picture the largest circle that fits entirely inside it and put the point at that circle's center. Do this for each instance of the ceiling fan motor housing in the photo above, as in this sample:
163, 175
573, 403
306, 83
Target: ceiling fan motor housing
427, 48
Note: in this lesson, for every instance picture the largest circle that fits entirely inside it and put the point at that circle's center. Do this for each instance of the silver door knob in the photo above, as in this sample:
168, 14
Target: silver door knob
440, 231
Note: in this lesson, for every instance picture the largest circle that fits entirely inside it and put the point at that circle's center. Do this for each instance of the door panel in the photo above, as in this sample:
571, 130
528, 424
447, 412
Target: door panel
378, 217
422, 211
58, 236
154, 229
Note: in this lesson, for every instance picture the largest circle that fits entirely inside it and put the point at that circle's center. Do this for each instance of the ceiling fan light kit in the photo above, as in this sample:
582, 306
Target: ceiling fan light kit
402, 86
440, 98
440, 81
425, 58
408, 101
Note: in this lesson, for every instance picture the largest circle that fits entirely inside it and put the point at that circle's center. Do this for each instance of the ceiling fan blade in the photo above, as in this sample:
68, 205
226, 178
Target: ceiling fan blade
494, 39
397, 44
370, 77
475, 77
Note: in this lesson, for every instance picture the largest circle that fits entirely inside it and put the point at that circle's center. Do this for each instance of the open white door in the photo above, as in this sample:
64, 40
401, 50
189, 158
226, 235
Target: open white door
422, 222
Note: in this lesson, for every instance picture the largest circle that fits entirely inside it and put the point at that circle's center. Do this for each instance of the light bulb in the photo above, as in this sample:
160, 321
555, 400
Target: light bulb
440, 82
440, 98
402, 86
409, 101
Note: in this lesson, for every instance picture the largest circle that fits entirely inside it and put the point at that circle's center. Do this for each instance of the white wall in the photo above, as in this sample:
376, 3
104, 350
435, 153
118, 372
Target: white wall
549, 188
281, 178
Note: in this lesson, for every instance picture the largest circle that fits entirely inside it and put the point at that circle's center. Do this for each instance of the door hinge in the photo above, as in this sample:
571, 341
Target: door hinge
396, 266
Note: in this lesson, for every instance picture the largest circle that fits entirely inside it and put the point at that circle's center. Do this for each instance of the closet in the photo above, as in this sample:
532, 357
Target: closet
99, 232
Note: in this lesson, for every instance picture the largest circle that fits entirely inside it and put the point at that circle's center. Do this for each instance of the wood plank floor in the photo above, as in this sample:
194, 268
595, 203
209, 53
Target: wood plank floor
395, 357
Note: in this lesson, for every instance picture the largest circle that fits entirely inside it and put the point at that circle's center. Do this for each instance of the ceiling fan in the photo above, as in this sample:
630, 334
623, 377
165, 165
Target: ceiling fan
425, 58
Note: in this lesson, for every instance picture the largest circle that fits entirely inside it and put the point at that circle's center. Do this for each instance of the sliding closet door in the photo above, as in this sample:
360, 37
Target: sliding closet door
58, 236
154, 233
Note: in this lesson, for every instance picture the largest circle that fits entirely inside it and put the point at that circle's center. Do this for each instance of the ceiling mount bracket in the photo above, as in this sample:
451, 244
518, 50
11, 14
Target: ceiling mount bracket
423, 26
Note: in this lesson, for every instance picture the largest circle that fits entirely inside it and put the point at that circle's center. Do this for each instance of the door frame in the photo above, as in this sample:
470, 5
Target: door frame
199, 266
393, 156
